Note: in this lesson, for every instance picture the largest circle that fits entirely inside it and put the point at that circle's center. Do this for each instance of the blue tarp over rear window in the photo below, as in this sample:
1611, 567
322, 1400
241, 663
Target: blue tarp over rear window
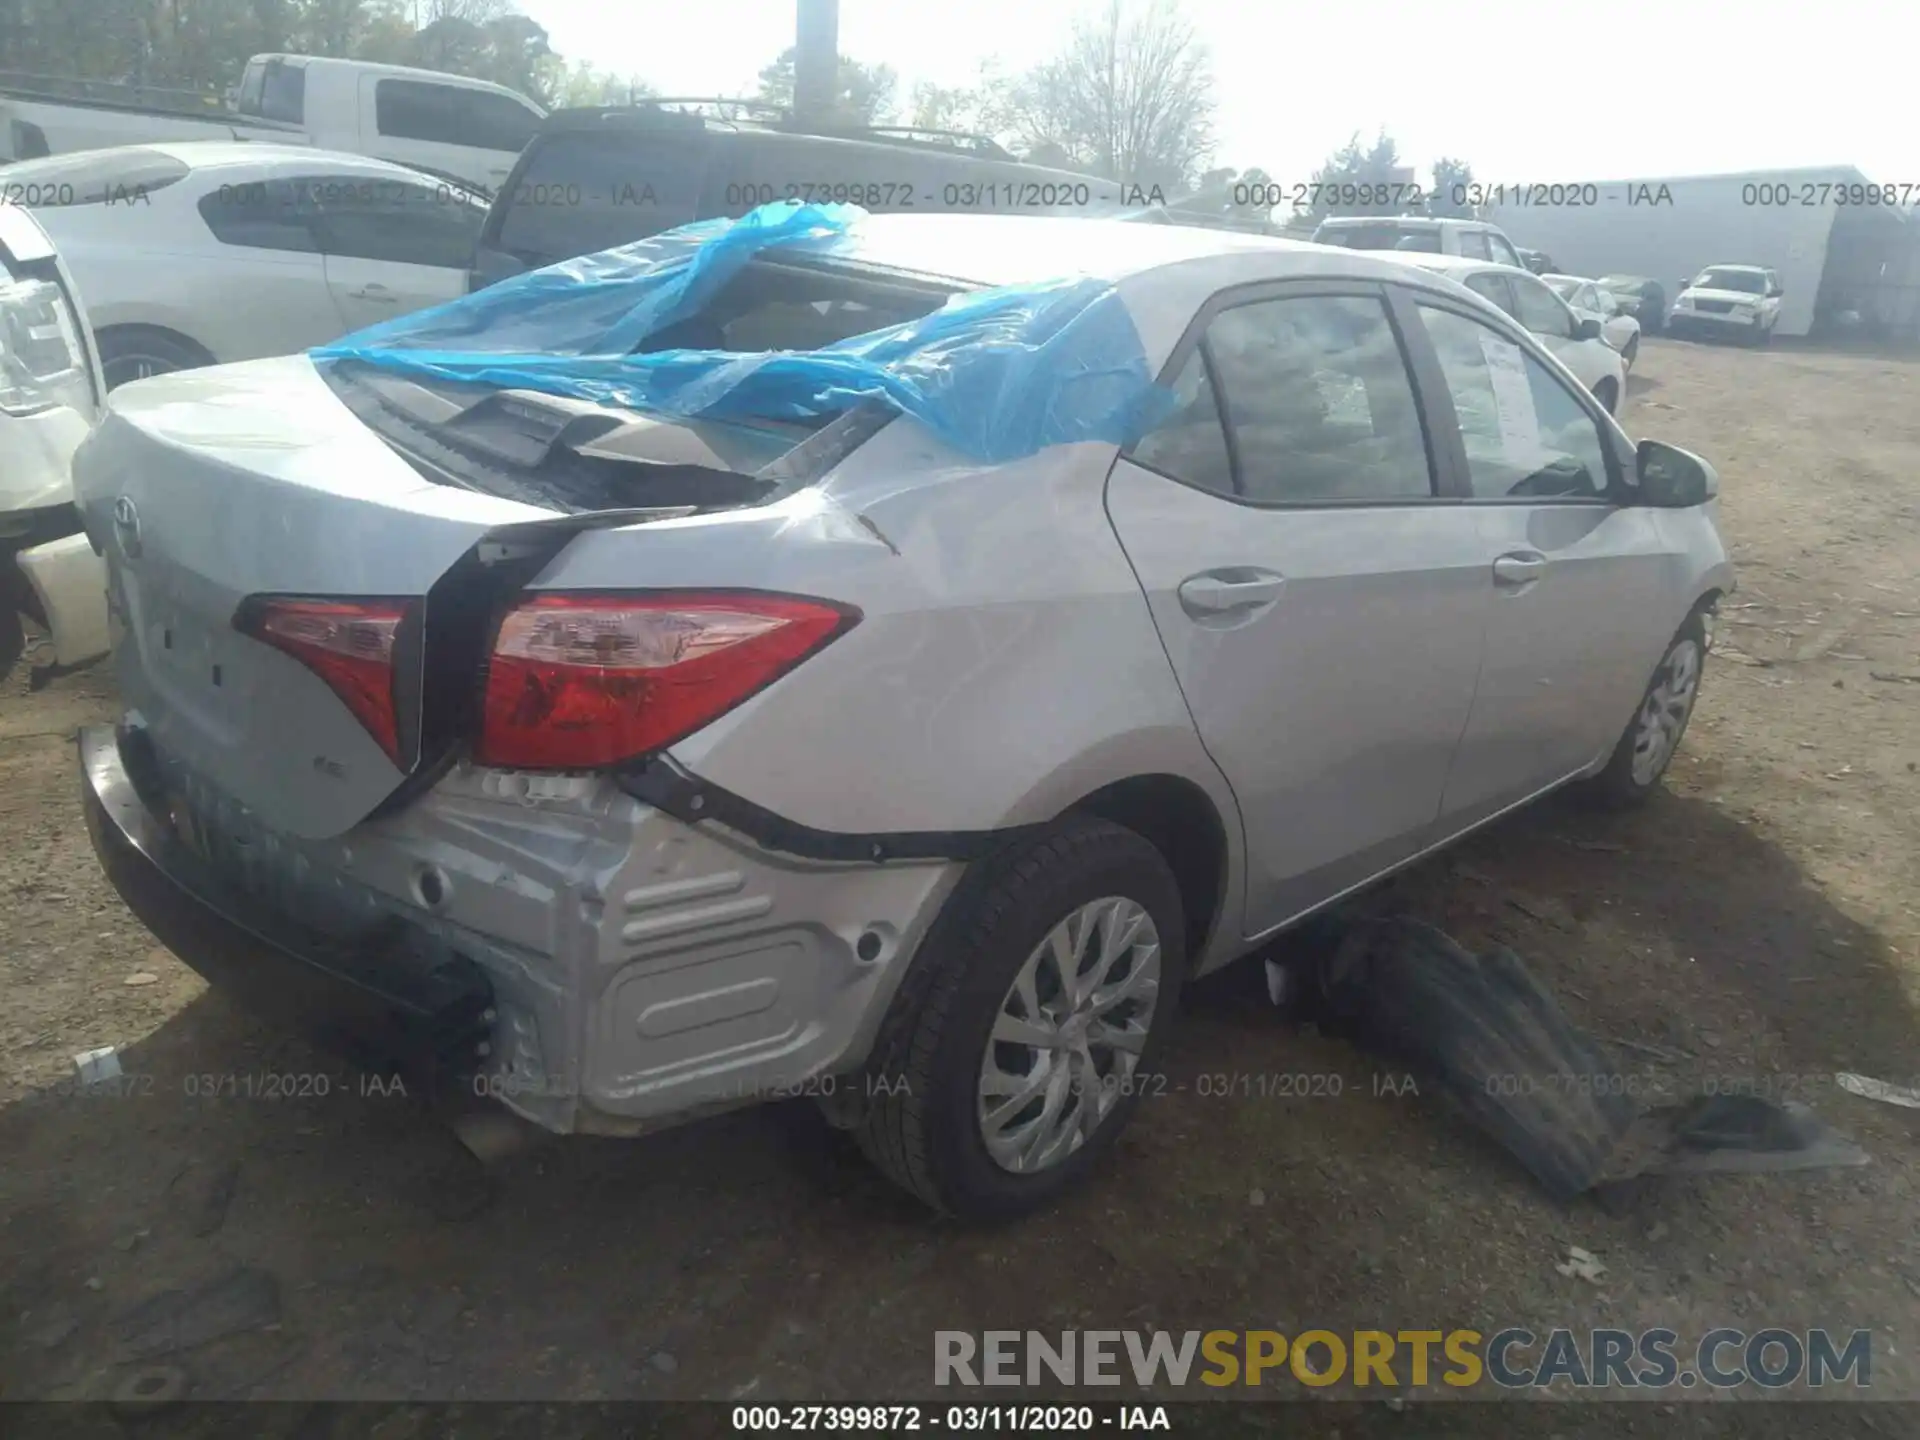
999, 373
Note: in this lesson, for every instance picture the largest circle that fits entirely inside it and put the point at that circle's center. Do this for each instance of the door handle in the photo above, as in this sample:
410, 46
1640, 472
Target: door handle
1515, 571
379, 294
1228, 592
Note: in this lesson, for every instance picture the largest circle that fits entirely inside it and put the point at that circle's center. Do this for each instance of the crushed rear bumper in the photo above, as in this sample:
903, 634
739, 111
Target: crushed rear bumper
361, 1000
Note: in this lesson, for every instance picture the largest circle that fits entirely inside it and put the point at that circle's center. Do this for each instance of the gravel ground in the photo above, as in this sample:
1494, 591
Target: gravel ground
1756, 927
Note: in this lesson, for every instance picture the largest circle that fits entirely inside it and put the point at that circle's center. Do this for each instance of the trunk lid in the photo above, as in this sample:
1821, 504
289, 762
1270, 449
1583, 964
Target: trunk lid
206, 487
210, 489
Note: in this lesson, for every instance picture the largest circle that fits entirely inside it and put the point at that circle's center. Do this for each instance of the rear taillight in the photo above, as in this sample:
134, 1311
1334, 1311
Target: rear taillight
577, 682
347, 643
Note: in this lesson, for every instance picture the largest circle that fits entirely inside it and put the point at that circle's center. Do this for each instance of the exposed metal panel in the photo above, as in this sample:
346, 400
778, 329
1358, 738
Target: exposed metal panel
1667, 229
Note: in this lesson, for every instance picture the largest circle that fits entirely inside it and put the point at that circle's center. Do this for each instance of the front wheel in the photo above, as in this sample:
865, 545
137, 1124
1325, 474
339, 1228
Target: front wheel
1026, 1031
1646, 748
1632, 352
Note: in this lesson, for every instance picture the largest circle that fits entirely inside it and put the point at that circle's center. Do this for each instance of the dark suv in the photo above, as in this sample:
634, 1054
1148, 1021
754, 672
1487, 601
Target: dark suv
593, 179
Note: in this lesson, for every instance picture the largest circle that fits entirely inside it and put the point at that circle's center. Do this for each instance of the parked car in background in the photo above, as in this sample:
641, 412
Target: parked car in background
1742, 300
579, 862
1472, 239
1585, 297
200, 252
1576, 342
1644, 299
1538, 261
596, 178
50, 396
447, 125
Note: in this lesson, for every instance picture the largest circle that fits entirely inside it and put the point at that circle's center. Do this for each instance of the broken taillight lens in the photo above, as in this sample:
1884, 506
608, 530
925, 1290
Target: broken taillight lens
347, 643
577, 682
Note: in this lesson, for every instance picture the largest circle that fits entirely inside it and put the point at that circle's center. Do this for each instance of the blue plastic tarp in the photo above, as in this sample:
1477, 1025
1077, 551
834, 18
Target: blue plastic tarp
998, 374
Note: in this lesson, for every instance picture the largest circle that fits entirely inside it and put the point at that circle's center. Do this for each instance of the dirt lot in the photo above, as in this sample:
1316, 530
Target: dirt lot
1759, 925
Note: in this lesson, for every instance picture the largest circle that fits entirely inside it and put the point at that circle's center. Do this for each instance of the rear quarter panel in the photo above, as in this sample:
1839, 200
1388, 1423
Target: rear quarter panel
1006, 665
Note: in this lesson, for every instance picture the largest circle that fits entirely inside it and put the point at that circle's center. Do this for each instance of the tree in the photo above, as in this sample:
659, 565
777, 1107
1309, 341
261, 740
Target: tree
864, 95
580, 85
1130, 98
1377, 167
1452, 188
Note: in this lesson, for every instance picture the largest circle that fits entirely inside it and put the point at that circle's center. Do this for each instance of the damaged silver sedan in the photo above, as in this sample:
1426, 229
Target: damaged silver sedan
628, 749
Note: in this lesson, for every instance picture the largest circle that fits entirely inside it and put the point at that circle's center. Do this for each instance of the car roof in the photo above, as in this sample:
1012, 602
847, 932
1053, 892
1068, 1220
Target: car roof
1428, 222
1022, 249
229, 155
1452, 264
224, 154
1748, 269
1570, 279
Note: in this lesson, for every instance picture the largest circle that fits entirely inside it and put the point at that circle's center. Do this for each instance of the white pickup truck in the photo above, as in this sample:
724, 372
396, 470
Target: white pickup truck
447, 125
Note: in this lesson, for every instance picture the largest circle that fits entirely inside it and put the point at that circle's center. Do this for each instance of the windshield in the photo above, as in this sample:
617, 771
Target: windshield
1563, 287
1748, 282
1623, 284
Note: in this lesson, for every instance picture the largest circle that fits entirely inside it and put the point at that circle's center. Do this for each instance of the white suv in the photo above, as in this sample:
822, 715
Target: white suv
1728, 300
1471, 239
50, 396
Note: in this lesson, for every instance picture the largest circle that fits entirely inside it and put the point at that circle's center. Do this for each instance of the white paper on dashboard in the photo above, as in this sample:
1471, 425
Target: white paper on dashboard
1512, 395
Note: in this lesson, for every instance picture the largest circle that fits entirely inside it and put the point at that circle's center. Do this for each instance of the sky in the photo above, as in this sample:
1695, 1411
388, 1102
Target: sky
1523, 92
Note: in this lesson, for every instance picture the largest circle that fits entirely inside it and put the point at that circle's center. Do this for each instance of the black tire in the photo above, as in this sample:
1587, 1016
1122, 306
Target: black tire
1632, 352
1608, 394
13, 635
133, 352
1618, 785
921, 1127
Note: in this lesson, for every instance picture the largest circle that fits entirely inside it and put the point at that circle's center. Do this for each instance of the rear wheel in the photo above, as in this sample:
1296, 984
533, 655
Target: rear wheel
1632, 352
134, 352
1646, 748
1609, 394
1026, 1030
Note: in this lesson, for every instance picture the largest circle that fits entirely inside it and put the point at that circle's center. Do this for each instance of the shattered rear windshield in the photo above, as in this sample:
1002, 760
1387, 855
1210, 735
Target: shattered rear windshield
802, 305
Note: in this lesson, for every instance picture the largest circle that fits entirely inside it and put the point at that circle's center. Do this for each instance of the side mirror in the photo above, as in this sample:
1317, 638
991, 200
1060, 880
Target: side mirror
1585, 327
1670, 478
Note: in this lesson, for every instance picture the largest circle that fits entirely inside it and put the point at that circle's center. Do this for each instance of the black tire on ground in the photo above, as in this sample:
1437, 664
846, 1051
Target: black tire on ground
1609, 394
133, 352
13, 635
1763, 336
922, 1127
1618, 786
1632, 352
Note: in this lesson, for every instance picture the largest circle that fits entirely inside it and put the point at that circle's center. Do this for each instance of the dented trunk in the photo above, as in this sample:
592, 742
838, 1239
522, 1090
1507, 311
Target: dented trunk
221, 494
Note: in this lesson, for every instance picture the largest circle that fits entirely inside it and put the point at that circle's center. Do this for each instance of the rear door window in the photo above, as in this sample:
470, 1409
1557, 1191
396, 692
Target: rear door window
1473, 243
261, 215
582, 192
379, 219
1317, 403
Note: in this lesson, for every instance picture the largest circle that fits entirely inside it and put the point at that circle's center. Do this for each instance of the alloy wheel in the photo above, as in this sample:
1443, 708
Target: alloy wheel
1069, 1033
